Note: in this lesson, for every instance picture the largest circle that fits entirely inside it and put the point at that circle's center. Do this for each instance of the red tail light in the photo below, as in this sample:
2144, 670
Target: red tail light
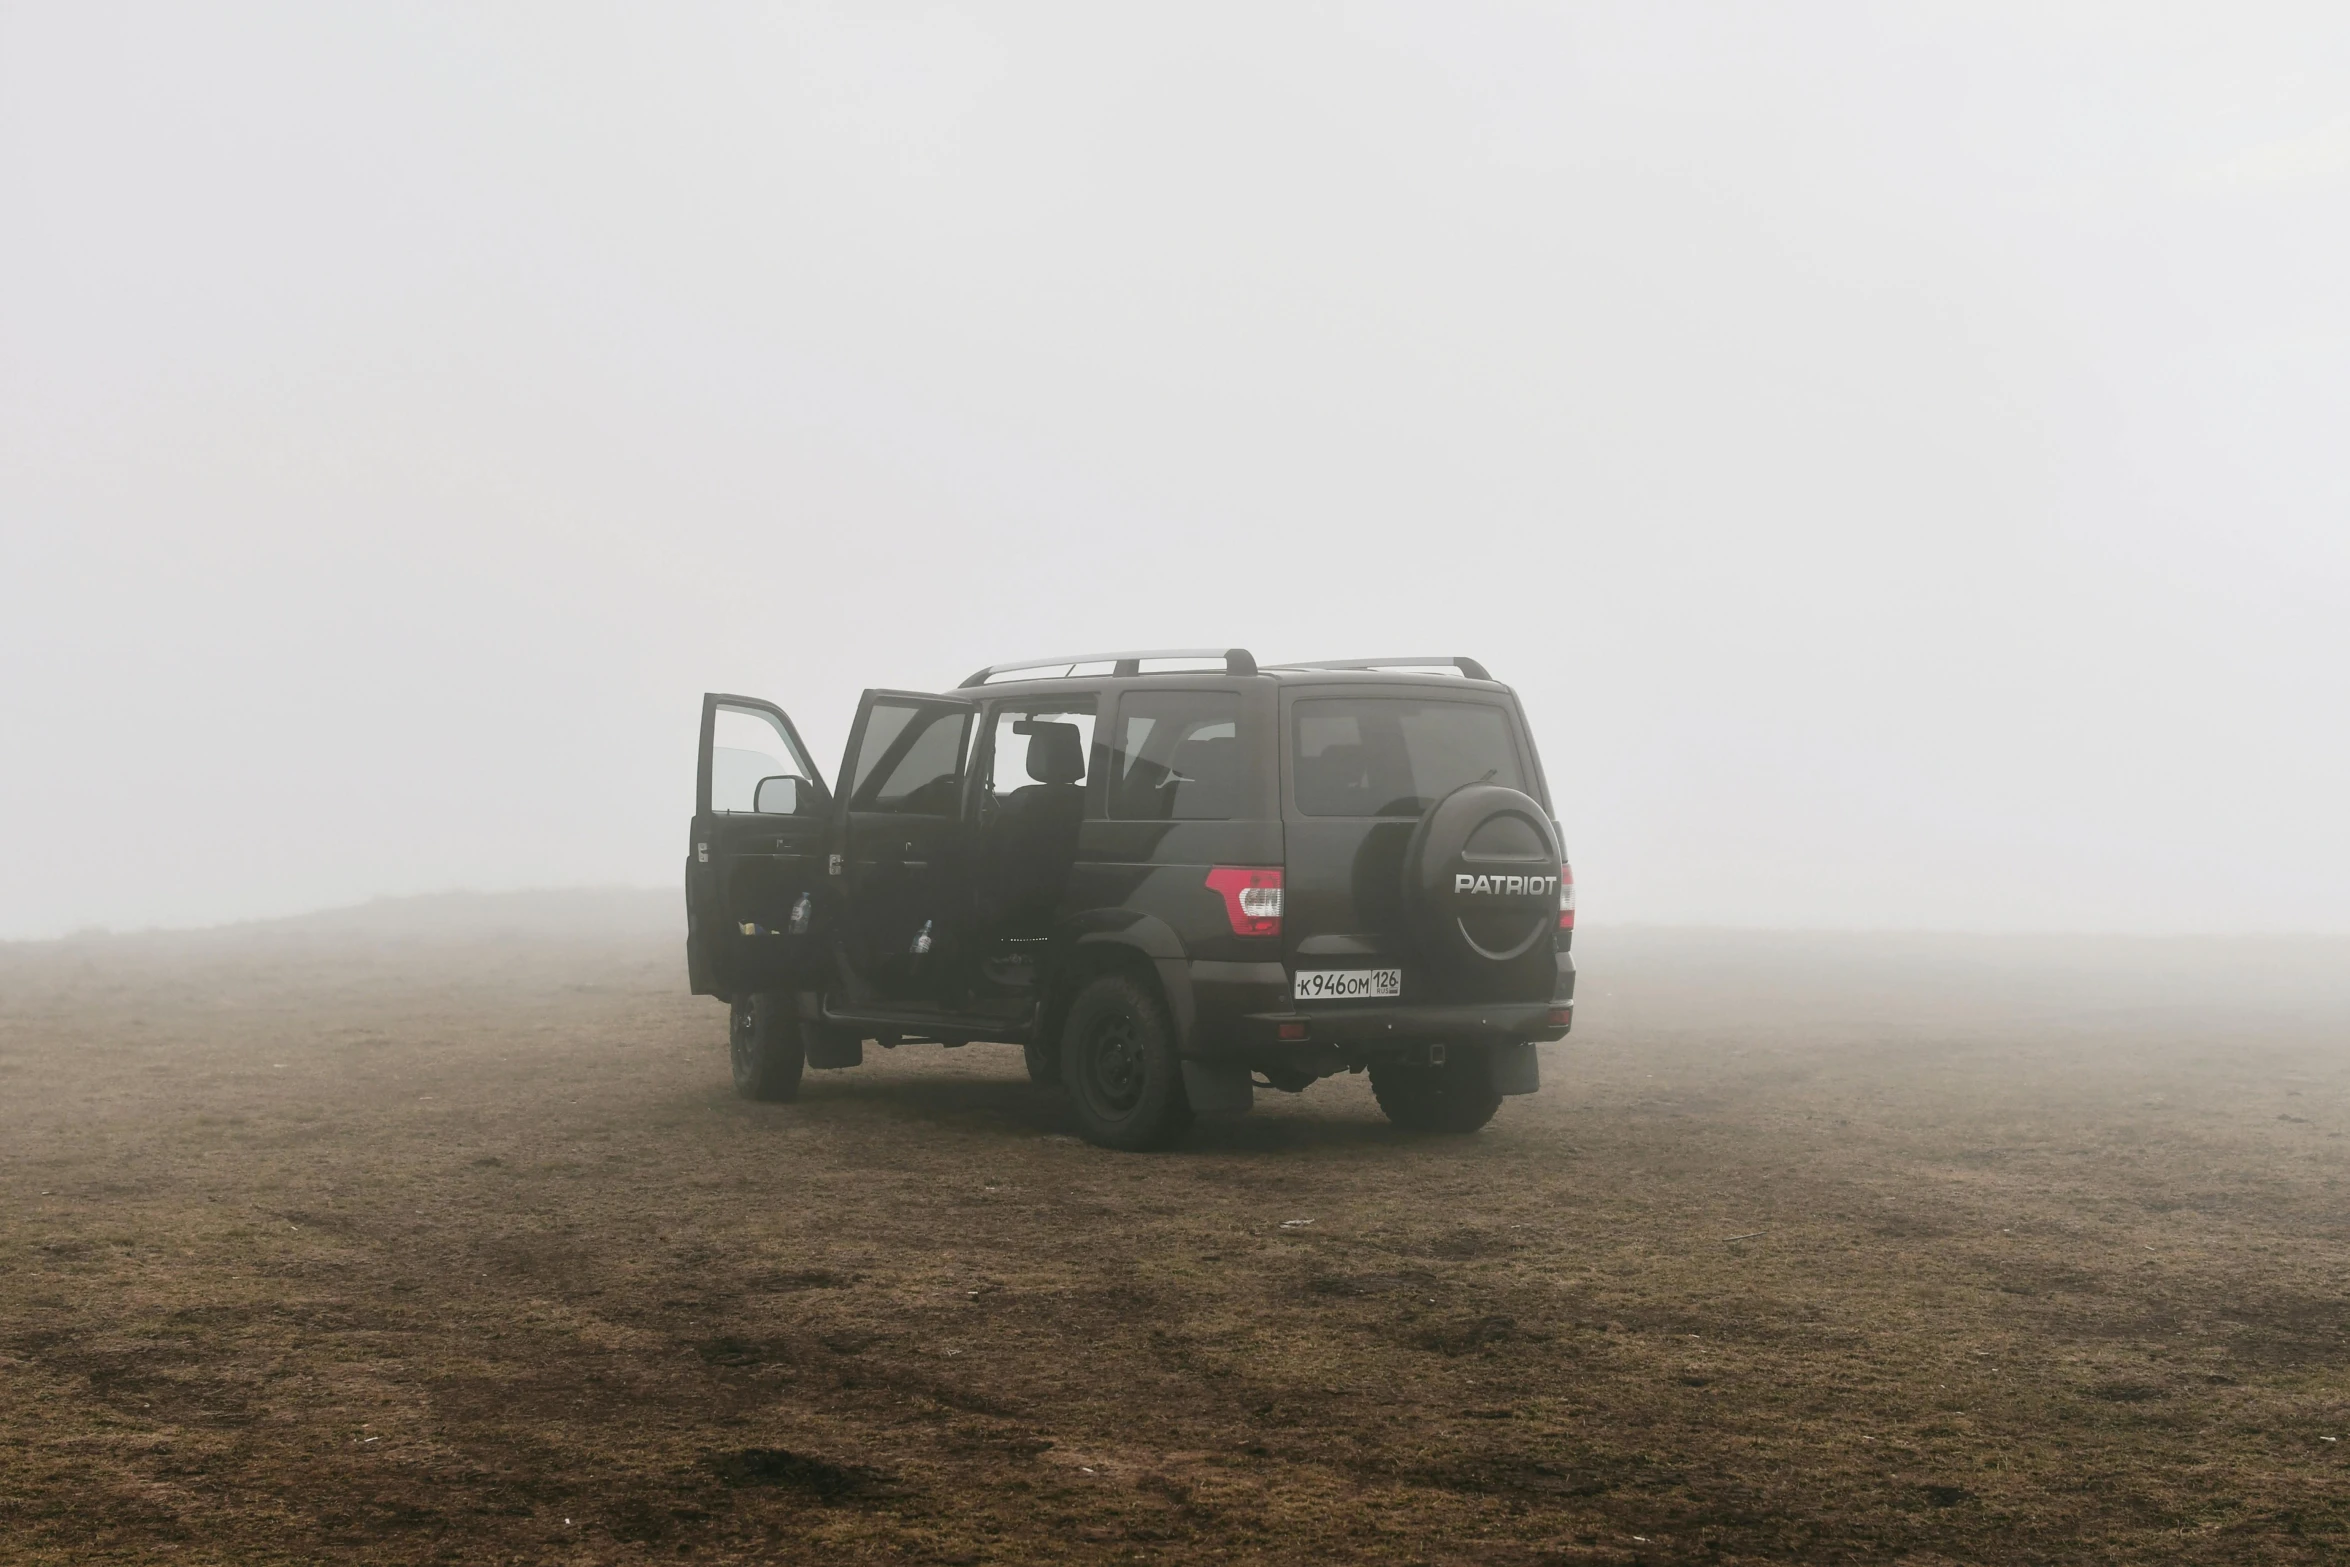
1566, 897
1252, 897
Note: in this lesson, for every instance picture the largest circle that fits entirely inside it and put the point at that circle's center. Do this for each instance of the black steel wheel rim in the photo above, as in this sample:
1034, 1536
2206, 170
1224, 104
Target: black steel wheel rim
1114, 1070
740, 1038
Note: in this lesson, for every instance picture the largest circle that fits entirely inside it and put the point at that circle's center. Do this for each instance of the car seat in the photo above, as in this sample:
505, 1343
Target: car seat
1036, 826
1335, 783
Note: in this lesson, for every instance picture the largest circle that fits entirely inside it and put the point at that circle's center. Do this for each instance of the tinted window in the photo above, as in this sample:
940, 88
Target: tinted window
746, 746
910, 761
1176, 757
1396, 756
883, 725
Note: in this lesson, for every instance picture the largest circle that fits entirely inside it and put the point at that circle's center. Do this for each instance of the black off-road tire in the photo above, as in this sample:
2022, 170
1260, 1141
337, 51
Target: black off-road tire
1457, 1097
1044, 1062
764, 1042
1118, 1062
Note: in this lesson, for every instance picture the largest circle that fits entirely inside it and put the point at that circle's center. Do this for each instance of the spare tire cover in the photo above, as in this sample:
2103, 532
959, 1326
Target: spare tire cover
1481, 877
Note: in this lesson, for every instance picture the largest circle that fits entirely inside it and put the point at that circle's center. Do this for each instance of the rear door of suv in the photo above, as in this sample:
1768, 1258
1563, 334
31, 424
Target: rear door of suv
1362, 763
898, 874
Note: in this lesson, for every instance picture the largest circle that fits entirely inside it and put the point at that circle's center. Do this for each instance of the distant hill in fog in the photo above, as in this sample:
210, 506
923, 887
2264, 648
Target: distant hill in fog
444, 916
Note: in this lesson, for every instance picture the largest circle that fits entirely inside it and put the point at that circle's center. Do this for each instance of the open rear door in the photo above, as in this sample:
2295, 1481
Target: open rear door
756, 858
902, 790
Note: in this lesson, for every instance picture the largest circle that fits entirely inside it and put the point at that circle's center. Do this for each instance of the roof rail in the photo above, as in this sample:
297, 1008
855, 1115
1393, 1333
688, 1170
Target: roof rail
1467, 666
1237, 661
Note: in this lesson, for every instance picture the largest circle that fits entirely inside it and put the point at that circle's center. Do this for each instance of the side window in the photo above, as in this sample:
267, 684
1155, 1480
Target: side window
748, 748
1175, 756
911, 761
883, 725
1040, 747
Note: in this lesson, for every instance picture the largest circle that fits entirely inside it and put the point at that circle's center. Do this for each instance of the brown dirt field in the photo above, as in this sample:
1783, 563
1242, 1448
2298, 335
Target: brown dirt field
431, 1233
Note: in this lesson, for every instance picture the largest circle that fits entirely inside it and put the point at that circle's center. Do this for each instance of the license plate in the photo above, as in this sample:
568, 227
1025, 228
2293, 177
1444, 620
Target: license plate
1349, 984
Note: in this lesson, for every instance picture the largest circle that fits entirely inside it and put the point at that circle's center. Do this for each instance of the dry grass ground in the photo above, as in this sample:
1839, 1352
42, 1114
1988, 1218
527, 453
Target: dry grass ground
431, 1233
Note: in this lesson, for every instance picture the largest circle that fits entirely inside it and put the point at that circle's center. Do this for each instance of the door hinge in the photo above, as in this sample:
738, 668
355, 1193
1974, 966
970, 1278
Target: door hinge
702, 852
837, 865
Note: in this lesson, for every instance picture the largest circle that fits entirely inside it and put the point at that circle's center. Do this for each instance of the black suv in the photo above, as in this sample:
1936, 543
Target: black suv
1172, 877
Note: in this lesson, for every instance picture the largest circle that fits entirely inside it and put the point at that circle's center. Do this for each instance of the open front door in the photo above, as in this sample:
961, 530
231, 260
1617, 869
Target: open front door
902, 789
756, 858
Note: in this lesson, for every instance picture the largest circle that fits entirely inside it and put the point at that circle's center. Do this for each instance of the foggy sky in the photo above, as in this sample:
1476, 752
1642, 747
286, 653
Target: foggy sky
1897, 452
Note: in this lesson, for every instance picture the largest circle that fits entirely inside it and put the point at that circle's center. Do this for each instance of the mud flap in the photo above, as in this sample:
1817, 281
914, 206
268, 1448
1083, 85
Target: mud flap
830, 1048
1515, 1069
833, 1049
1218, 1089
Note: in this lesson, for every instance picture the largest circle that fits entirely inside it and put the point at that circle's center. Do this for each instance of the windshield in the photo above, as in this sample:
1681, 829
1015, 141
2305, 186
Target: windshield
1396, 756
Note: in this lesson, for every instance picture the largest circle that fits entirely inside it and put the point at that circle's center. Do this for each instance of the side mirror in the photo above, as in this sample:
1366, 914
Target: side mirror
786, 794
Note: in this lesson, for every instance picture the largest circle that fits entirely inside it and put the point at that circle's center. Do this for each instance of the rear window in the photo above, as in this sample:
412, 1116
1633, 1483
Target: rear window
1396, 756
1176, 757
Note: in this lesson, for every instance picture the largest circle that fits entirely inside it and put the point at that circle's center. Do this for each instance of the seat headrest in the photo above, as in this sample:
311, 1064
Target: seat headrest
1056, 752
1333, 783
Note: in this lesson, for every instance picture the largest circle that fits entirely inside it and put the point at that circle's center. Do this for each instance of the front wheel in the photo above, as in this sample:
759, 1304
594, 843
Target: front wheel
1457, 1097
1118, 1062
763, 1041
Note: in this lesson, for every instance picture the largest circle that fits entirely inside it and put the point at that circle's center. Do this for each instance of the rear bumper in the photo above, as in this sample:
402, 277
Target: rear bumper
1355, 1027
1245, 1009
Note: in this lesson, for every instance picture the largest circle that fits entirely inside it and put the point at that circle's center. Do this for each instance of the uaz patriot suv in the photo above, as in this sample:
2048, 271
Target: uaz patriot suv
1171, 884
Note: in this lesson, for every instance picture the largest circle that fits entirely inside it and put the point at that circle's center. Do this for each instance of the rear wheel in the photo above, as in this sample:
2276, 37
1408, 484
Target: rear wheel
1456, 1097
764, 1043
1118, 1062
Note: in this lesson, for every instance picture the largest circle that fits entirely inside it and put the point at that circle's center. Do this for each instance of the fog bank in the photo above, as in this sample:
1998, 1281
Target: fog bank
1897, 456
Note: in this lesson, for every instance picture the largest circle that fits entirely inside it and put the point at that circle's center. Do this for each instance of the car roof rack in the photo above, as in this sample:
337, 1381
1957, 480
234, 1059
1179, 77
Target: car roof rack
1467, 666
1237, 661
